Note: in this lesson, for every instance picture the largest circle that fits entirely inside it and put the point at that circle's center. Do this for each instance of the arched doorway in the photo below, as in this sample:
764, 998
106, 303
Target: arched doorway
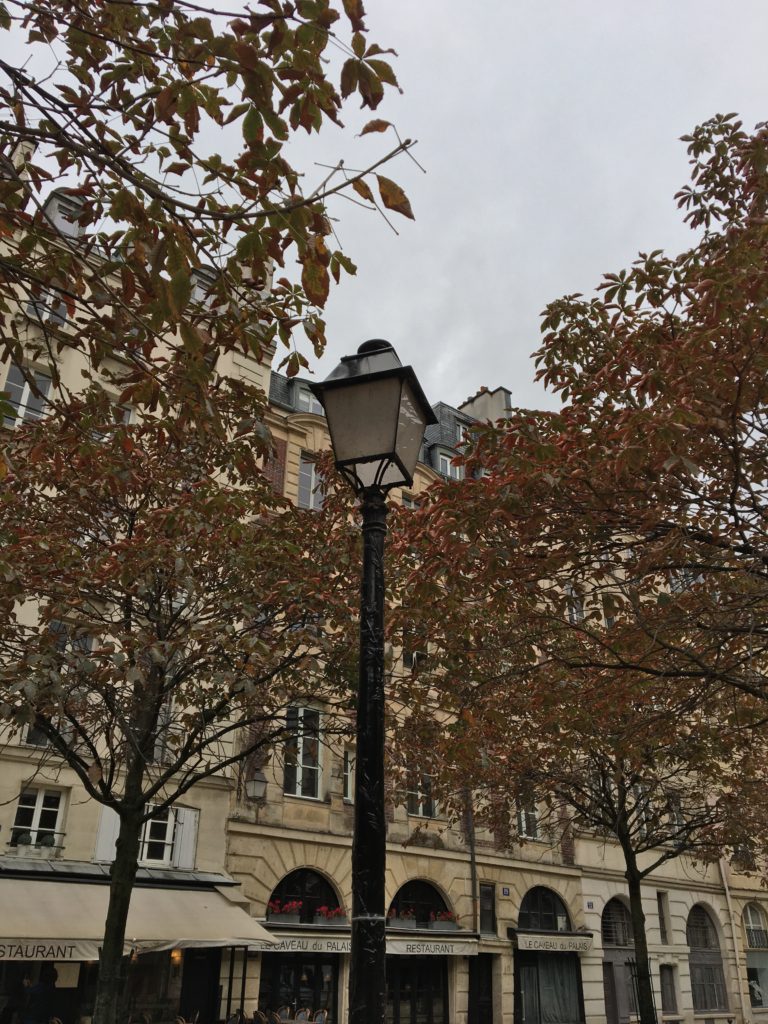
705, 961
417, 986
547, 977
294, 976
618, 963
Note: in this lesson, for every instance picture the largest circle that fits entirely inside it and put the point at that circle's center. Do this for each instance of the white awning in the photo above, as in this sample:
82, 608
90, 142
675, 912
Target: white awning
47, 920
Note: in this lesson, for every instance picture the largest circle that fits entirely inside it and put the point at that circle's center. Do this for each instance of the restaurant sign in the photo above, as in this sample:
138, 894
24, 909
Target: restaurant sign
396, 947
552, 942
51, 949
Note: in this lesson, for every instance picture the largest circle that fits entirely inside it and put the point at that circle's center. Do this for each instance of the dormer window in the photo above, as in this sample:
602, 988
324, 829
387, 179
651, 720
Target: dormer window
62, 212
308, 403
448, 468
203, 285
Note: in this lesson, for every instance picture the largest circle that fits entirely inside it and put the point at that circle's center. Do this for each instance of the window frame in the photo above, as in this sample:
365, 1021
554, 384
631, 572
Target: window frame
447, 468
307, 402
167, 817
527, 820
669, 989
419, 800
348, 775
487, 915
303, 739
310, 496
22, 412
34, 828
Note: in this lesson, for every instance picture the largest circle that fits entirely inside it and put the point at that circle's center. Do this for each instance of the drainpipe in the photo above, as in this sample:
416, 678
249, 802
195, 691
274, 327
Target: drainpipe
469, 827
734, 932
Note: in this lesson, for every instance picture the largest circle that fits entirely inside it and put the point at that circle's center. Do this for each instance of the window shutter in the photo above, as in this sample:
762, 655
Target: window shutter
106, 838
274, 467
185, 839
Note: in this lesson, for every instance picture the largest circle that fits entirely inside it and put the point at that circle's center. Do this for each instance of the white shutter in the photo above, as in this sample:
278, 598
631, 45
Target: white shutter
106, 838
185, 838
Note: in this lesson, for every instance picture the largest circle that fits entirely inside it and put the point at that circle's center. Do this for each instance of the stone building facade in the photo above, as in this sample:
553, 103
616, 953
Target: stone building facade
541, 935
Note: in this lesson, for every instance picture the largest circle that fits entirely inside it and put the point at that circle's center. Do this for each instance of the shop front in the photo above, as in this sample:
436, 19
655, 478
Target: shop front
51, 932
547, 966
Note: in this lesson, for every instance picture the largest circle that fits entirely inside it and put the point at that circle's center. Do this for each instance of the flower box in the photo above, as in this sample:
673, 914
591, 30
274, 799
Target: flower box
284, 919
340, 921
444, 926
403, 922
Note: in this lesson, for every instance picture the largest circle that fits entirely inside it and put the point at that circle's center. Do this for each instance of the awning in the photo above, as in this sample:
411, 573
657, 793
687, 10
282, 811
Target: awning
46, 920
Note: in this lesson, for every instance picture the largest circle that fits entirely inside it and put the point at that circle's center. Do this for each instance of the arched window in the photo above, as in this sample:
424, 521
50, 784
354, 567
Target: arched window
706, 962
617, 925
304, 887
417, 899
543, 911
756, 929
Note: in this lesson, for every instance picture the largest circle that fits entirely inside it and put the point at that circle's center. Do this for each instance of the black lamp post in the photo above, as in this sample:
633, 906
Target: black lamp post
377, 414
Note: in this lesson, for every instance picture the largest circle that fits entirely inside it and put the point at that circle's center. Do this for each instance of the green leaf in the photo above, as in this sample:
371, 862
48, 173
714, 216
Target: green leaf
253, 126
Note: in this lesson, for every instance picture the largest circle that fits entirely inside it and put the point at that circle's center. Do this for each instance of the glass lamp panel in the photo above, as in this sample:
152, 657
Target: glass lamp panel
370, 473
363, 418
410, 429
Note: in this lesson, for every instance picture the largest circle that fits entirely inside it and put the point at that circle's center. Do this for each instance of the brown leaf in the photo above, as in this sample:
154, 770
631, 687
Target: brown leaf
393, 197
363, 189
377, 125
355, 11
315, 280
349, 76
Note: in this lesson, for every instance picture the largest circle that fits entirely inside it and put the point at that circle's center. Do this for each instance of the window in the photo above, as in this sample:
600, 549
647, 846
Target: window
419, 900
574, 604
448, 468
39, 815
26, 404
543, 911
169, 839
527, 824
63, 640
488, 908
157, 838
48, 307
302, 753
306, 888
662, 908
755, 926
410, 502
757, 954
308, 402
706, 964
616, 925
310, 495
420, 801
348, 775
668, 988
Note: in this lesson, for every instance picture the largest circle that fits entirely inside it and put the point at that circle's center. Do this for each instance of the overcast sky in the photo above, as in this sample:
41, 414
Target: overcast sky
549, 130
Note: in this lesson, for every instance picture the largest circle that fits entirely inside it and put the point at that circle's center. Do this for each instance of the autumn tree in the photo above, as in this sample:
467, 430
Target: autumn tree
169, 607
168, 126
596, 600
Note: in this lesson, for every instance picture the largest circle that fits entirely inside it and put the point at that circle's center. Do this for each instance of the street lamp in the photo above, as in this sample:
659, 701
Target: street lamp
377, 414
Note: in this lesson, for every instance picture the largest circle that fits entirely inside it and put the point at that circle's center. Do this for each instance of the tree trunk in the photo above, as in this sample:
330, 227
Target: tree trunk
645, 1004
111, 979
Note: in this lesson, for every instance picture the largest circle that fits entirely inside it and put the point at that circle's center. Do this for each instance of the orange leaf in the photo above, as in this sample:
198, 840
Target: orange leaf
393, 197
363, 189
